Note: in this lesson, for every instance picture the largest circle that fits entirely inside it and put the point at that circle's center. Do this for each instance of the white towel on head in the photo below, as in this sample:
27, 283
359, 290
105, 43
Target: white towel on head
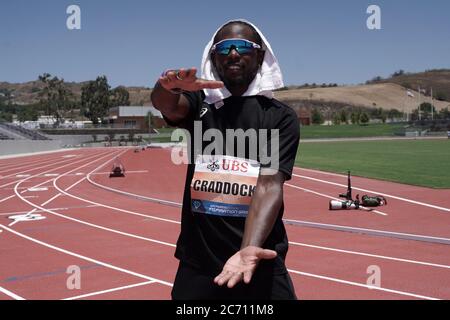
267, 79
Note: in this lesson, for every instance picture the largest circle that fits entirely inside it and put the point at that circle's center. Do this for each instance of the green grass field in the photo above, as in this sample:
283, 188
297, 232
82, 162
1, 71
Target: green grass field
334, 131
416, 162
349, 131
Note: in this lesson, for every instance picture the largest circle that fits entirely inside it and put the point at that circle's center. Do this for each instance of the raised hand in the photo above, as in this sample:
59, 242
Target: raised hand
242, 265
186, 79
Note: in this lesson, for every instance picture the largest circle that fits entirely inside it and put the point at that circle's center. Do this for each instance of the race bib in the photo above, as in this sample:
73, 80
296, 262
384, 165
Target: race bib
223, 185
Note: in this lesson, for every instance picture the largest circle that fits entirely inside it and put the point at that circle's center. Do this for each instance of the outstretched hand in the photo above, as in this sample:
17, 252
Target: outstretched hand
187, 80
242, 265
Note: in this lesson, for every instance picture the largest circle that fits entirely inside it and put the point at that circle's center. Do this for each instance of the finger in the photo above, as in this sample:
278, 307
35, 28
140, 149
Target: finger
235, 279
224, 278
191, 72
209, 84
248, 276
182, 74
266, 254
164, 81
171, 75
216, 279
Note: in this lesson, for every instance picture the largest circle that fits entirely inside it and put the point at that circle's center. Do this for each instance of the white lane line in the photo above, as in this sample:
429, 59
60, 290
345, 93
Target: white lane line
36, 168
55, 209
51, 199
408, 236
172, 245
11, 294
76, 183
323, 172
307, 223
370, 255
20, 166
98, 226
36, 207
332, 198
161, 201
318, 275
362, 285
131, 171
375, 192
7, 198
51, 164
34, 189
22, 218
101, 263
115, 208
91, 224
170, 284
106, 206
110, 290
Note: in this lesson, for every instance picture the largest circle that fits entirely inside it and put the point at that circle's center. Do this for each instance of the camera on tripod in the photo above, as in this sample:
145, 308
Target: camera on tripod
349, 203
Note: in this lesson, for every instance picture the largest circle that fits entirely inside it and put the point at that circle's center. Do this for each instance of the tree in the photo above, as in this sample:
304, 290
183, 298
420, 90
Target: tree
444, 113
441, 96
27, 113
95, 100
343, 116
394, 113
119, 97
398, 73
354, 117
364, 118
414, 115
377, 79
55, 96
427, 107
317, 117
336, 119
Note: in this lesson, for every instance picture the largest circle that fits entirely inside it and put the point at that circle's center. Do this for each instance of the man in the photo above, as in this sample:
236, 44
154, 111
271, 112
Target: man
233, 242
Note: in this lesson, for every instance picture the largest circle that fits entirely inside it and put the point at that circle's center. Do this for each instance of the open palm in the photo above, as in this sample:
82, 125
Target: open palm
242, 265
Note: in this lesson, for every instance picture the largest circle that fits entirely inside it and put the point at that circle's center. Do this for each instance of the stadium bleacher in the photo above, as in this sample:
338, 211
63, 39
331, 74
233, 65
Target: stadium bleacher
26, 133
5, 137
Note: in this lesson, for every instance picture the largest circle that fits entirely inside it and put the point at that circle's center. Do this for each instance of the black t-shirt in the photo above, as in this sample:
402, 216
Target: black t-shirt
207, 241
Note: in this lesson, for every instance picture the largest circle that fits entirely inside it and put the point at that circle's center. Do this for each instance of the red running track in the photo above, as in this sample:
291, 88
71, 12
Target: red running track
121, 232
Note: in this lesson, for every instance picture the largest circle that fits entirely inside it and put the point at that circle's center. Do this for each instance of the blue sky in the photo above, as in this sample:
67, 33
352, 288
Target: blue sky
132, 42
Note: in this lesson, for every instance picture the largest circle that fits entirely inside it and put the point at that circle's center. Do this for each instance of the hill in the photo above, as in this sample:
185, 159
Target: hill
383, 95
378, 93
439, 80
28, 92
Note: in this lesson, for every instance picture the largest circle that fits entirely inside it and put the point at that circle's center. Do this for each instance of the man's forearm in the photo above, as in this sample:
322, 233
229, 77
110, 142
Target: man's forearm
167, 102
264, 210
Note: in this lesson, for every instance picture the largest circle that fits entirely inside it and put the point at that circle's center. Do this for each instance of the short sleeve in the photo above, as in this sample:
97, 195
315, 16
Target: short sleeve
283, 144
195, 100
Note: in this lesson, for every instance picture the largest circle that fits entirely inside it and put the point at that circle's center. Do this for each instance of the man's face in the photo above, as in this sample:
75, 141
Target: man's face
236, 70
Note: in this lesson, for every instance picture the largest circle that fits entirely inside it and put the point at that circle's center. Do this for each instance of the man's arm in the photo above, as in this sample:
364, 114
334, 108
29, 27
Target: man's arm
263, 212
264, 209
174, 105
